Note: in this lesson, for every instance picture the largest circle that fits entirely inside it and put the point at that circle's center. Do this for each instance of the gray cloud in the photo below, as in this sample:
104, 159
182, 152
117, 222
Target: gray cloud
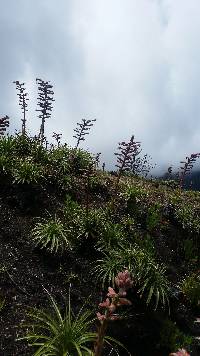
133, 65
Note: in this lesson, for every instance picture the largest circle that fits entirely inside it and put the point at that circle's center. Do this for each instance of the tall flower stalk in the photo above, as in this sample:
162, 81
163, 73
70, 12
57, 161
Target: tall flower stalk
82, 129
113, 301
125, 157
22, 103
45, 99
186, 167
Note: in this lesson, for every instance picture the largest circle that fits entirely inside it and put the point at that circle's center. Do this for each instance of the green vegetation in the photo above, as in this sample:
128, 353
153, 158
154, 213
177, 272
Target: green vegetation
54, 334
90, 227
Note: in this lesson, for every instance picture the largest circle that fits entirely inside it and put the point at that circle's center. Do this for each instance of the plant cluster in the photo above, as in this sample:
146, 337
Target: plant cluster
172, 338
56, 334
132, 236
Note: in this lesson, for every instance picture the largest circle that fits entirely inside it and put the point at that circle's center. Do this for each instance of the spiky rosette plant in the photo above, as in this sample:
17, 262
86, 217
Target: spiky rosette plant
186, 167
45, 99
51, 234
55, 333
127, 151
82, 130
4, 123
22, 102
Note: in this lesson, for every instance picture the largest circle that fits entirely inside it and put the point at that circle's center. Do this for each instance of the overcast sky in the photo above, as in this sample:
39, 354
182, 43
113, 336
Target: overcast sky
134, 65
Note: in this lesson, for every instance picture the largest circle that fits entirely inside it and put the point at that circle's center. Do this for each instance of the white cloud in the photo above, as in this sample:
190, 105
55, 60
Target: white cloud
133, 65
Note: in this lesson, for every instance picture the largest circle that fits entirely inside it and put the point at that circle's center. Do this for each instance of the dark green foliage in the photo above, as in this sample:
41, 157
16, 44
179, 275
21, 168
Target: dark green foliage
90, 225
190, 250
190, 286
7, 145
172, 338
150, 276
112, 236
27, 172
188, 216
133, 196
153, 217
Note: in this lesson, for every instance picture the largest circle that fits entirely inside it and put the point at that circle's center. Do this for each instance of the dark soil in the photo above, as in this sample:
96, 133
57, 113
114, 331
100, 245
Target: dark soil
26, 271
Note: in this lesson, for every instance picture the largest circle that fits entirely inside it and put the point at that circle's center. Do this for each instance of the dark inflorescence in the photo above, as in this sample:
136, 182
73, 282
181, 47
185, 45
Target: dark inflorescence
187, 166
22, 102
126, 155
82, 129
45, 99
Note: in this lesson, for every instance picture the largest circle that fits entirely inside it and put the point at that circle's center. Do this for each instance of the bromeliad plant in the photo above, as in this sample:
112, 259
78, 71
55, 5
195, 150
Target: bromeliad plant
27, 172
52, 235
55, 334
150, 276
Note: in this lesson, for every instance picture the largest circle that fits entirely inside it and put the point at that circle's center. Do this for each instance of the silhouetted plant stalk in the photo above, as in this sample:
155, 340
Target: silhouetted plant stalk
97, 159
4, 123
82, 129
142, 165
125, 158
187, 166
169, 172
22, 102
113, 301
57, 137
45, 99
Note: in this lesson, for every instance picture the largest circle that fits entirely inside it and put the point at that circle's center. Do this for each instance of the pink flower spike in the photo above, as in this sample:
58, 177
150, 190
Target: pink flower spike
180, 352
101, 317
105, 304
123, 280
111, 293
